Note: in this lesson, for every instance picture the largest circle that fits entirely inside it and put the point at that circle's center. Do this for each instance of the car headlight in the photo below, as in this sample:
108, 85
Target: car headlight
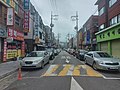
100, 62
36, 61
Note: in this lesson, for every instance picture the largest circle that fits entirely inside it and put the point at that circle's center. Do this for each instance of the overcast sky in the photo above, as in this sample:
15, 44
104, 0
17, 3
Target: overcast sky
65, 9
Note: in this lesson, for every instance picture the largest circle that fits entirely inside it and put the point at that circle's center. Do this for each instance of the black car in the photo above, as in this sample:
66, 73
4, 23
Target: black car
51, 53
81, 53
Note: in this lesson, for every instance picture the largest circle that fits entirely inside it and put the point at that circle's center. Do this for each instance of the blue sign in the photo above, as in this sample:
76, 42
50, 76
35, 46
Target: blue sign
3, 33
88, 37
26, 4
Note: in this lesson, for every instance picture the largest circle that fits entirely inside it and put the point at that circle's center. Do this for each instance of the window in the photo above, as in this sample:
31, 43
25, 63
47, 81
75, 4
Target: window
17, 20
111, 2
102, 10
113, 21
25, 34
119, 18
102, 27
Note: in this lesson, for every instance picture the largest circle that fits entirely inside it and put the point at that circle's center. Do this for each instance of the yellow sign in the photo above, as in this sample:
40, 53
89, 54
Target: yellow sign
13, 53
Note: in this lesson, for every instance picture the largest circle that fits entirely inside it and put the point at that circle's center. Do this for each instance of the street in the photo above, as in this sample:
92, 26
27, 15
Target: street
66, 72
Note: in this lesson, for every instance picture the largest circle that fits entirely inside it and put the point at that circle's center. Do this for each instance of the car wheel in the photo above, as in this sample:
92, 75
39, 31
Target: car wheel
42, 65
48, 61
94, 66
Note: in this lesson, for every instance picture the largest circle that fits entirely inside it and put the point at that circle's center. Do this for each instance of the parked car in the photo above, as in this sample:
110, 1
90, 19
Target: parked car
102, 60
81, 53
35, 59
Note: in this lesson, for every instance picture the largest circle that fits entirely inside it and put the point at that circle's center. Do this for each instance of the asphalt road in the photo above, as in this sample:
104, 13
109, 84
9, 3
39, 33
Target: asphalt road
66, 72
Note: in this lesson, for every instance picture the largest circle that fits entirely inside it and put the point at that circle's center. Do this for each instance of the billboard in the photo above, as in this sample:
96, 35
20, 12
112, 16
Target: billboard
10, 16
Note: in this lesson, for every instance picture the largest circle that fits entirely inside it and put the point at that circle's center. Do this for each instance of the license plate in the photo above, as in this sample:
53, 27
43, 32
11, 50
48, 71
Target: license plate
113, 67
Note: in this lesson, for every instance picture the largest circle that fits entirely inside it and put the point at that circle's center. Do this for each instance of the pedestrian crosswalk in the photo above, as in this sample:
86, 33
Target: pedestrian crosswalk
71, 70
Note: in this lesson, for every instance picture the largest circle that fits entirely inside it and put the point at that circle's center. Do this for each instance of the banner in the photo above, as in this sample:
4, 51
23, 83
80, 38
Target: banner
26, 21
5, 50
10, 16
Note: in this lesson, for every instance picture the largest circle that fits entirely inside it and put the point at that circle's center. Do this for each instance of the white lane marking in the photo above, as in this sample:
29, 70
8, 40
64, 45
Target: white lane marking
67, 61
70, 71
75, 85
111, 78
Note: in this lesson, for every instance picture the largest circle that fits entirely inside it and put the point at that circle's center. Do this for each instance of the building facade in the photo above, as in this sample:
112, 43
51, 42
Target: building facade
89, 30
108, 37
12, 18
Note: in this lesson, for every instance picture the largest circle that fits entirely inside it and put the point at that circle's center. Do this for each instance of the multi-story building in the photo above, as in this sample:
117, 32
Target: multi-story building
89, 30
39, 32
48, 36
108, 37
3, 27
12, 17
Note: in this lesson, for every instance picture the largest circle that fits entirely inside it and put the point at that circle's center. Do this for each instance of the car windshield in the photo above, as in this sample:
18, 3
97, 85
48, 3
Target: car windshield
102, 55
35, 54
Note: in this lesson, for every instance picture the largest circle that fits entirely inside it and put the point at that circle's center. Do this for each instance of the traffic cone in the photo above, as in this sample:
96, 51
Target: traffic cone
19, 74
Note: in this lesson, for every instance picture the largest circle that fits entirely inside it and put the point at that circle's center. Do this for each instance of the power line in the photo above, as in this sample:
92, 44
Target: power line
40, 10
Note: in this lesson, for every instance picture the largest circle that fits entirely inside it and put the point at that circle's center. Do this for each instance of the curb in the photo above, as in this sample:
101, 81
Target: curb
7, 74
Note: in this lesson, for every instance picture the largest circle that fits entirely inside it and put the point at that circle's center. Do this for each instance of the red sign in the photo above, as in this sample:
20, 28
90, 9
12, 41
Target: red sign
15, 34
5, 51
23, 48
26, 21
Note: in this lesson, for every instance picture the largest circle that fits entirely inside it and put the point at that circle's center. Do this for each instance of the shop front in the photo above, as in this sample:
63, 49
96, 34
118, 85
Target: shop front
15, 44
3, 34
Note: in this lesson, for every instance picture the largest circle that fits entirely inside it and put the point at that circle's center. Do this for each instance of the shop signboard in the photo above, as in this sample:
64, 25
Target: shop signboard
9, 39
26, 4
23, 49
26, 21
10, 16
15, 35
3, 33
5, 50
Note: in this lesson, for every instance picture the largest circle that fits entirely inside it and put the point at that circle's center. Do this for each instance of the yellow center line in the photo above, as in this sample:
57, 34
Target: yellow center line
65, 70
52, 71
76, 71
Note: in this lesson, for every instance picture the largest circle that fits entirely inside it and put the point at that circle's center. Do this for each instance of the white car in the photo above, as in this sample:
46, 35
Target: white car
102, 60
35, 59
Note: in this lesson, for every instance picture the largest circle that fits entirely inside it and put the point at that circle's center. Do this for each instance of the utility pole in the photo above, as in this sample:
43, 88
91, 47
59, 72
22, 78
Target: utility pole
53, 17
58, 40
75, 18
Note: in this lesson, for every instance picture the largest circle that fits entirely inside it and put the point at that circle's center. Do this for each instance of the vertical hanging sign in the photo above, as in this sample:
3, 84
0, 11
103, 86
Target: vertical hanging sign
26, 15
10, 16
5, 51
23, 49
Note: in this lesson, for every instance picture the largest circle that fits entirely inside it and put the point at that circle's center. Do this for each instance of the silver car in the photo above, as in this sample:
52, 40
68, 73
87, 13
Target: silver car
102, 60
35, 59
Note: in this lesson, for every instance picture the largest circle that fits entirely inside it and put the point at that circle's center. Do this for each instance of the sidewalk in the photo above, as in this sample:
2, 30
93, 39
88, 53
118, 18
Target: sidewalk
8, 68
